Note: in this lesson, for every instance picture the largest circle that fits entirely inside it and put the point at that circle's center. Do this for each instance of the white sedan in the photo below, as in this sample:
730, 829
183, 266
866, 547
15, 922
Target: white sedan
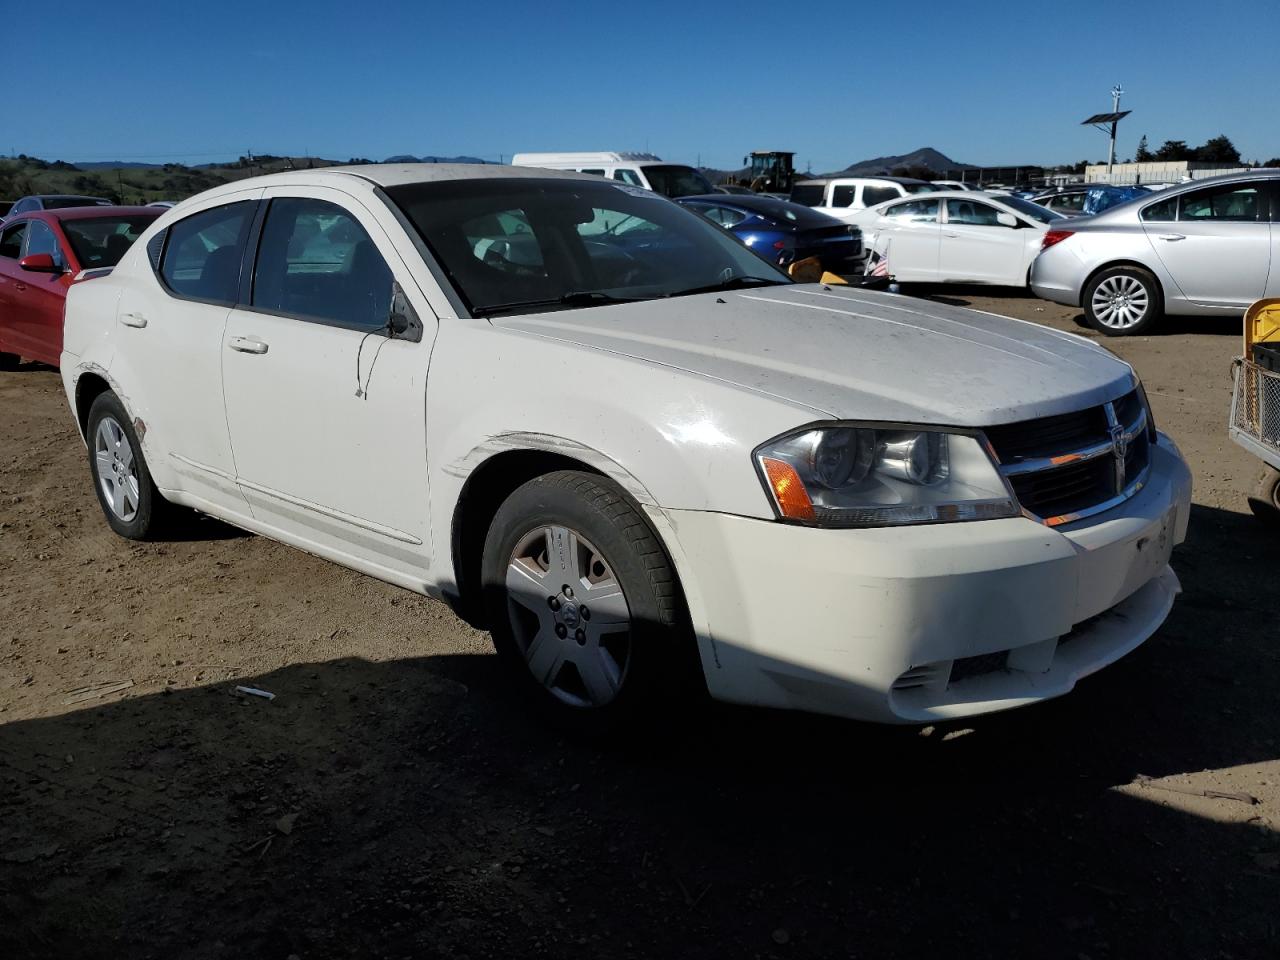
641, 456
957, 237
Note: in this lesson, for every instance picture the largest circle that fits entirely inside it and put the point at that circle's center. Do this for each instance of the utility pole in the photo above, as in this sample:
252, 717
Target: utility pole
1116, 92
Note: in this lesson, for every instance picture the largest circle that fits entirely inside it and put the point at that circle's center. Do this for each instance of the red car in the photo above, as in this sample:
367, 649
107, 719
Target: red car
41, 252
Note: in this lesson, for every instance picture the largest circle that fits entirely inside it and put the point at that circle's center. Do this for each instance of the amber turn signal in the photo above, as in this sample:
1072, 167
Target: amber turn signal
788, 490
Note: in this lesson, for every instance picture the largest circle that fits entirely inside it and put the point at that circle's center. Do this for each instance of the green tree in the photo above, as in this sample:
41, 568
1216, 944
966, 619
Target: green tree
1273, 162
1217, 150
1173, 150
1144, 154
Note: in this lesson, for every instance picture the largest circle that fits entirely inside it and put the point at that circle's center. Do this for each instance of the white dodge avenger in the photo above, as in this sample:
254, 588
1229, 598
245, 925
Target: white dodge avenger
634, 451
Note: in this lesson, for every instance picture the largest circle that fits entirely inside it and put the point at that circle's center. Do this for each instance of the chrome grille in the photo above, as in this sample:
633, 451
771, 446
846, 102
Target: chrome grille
1075, 465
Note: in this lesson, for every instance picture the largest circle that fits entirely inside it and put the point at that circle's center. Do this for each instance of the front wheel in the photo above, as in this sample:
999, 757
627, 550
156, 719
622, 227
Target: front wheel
1123, 302
130, 501
1265, 502
9, 361
583, 603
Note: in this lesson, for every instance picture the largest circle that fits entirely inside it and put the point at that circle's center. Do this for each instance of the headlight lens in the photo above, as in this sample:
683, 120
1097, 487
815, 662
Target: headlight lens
867, 476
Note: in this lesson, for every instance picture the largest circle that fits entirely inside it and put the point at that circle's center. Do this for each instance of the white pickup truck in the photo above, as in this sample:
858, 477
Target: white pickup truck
636, 452
846, 197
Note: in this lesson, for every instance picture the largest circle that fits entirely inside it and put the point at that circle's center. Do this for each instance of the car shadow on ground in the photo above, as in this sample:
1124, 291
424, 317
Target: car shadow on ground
417, 808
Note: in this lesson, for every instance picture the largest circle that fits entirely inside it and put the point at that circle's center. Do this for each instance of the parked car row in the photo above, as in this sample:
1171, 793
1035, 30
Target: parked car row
617, 437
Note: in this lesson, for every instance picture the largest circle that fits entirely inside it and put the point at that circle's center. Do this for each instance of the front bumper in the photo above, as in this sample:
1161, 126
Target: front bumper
915, 624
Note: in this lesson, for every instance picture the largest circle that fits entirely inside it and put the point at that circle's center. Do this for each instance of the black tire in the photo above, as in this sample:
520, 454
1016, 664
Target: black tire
9, 361
1126, 275
152, 510
1265, 502
662, 673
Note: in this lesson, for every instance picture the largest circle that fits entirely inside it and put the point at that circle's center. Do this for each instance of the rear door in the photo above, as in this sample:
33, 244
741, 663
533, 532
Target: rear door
39, 297
976, 246
169, 327
326, 411
908, 236
1215, 242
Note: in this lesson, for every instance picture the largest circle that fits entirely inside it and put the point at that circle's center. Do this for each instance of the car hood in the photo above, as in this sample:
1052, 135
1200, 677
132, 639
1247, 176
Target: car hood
851, 353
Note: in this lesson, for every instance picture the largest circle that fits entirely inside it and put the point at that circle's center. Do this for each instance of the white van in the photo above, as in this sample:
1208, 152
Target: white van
638, 169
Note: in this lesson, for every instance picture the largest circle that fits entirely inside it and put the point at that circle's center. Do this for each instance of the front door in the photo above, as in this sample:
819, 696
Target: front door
1218, 249
39, 297
976, 246
326, 411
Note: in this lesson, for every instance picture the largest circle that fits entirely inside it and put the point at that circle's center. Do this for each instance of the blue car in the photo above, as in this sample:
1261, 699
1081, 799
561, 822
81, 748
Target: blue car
783, 232
1086, 199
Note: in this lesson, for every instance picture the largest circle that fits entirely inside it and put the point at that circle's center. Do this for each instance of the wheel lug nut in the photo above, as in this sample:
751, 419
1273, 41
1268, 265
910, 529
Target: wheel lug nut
581, 637
553, 603
567, 591
561, 632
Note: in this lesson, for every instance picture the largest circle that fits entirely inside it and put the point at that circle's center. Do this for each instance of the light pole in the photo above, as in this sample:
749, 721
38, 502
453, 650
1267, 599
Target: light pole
1107, 123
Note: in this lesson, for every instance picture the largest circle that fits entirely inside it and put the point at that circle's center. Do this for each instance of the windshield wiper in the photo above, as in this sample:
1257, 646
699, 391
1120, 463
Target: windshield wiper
733, 283
575, 298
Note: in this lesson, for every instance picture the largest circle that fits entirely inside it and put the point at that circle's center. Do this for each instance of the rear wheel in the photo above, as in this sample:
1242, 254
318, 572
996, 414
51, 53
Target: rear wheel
1123, 301
1265, 502
8, 361
583, 603
130, 501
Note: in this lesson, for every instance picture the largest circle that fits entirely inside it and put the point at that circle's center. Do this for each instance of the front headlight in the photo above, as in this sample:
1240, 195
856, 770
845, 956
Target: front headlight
879, 475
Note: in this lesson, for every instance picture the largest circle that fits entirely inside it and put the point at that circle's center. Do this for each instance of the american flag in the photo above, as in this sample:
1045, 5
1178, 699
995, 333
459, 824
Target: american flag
881, 266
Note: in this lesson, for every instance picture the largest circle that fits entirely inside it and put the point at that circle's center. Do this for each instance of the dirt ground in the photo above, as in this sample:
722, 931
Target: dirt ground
393, 800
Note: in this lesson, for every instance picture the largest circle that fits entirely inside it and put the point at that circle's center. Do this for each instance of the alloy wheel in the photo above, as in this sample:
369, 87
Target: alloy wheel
117, 469
1120, 302
569, 616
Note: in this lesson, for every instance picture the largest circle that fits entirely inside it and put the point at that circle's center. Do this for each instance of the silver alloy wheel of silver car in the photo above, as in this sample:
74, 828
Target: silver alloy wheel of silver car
569, 616
1120, 301
117, 471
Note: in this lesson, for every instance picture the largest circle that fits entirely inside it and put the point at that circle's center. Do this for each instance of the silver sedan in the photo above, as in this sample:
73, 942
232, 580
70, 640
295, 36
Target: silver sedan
1207, 247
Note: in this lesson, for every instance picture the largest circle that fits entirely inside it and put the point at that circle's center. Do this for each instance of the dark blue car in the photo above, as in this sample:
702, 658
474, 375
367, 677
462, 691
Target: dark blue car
783, 232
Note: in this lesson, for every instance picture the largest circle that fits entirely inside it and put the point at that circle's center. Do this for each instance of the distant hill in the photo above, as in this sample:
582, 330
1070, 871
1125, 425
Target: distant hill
926, 158
409, 158
116, 164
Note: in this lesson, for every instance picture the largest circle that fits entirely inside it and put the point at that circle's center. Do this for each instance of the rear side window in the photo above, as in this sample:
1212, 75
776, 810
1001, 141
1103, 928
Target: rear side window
810, 195
1165, 211
315, 262
914, 211
627, 176
873, 195
202, 254
11, 240
842, 196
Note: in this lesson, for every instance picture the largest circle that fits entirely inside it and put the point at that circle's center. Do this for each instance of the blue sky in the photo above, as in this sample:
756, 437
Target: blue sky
987, 83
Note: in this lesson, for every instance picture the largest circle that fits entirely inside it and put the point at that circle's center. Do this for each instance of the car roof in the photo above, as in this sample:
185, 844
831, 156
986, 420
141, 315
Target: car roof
771, 206
397, 174
825, 180
83, 213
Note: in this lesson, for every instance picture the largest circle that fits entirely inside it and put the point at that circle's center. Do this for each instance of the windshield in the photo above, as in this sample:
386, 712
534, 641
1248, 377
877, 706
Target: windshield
920, 188
102, 241
1032, 210
515, 245
673, 180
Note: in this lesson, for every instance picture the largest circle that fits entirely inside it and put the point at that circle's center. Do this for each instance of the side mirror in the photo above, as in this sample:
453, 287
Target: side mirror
1007, 220
403, 320
40, 263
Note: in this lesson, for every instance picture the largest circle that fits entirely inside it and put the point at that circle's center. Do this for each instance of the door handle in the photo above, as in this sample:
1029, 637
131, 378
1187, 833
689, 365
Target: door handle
953, 235
133, 320
18, 285
1171, 237
246, 345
